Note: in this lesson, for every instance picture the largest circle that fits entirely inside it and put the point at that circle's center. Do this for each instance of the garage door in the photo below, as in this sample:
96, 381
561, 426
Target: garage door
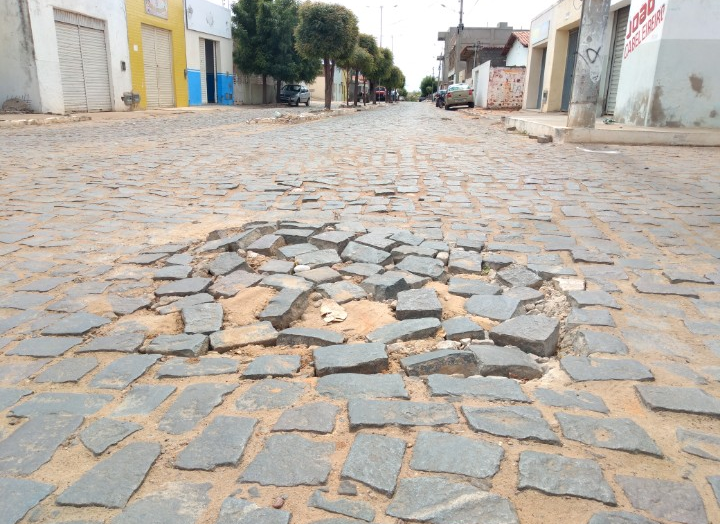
621, 20
83, 62
157, 59
203, 72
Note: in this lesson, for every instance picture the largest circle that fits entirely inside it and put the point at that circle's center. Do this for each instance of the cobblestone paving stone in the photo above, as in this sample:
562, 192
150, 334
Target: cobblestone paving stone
118, 233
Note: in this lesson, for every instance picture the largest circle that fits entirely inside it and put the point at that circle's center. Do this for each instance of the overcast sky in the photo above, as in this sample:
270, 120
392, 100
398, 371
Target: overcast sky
410, 27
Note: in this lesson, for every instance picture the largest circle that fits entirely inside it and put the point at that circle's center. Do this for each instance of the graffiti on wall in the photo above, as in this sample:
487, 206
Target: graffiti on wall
505, 88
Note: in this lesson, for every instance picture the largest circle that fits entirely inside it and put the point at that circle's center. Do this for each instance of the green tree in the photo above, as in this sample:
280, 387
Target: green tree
383, 67
428, 85
359, 61
280, 18
395, 79
250, 53
327, 32
368, 43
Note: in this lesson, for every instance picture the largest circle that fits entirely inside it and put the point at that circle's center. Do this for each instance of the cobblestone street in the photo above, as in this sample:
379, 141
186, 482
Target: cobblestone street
395, 315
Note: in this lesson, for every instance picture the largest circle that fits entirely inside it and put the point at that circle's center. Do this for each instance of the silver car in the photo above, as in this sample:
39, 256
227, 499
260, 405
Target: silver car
459, 95
295, 94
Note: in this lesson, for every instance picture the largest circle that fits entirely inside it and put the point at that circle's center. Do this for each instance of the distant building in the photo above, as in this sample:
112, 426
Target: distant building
477, 45
516, 49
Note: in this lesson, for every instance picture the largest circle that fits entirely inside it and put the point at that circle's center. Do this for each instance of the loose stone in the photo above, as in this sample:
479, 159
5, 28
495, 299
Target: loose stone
350, 358
272, 366
535, 334
179, 345
418, 303
446, 362
375, 460
494, 307
259, 333
414, 329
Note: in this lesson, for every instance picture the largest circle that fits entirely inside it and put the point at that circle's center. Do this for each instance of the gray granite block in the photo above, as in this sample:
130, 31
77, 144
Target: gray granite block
520, 422
174, 272
414, 329
459, 328
446, 453
343, 292
496, 261
317, 259
9, 396
226, 263
259, 333
587, 342
240, 511
423, 266
20, 496
439, 500
535, 334
281, 267
400, 252
112, 482
385, 286
505, 361
316, 417
15, 372
618, 433
50, 403
202, 318
645, 285
321, 275
336, 240
267, 245
194, 404
467, 287
665, 499
44, 346
589, 317
272, 366
222, 443
583, 369
127, 305
494, 307
592, 298
142, 399
446, 362
295, 236
619, 517
714, 481
75, 324
197, 367
465, 262
365, 413
290, 252
350, 358
490, 388
360, 269
230, 285
375, 460
179, 303
184, 287
290, 460
699, 444
349, 508
120, 342
571, 399
184, 345
301, 336
354, 385
525, 295
418, 303
176, 503
679, 399
34, 443
559, 475
122, 372
270, 394
106, 432
68, 370
285, 308
519, 276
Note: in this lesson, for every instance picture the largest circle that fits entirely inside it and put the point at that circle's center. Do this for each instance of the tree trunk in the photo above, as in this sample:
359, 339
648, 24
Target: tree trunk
329, 77
372, 90
365, 91
355, 91
264, 77
277, 91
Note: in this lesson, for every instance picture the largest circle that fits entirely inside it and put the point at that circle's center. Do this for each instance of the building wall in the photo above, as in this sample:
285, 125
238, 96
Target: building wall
551, 29
211, 22
518, 55
481, 79
485, 36
175, 23
505, 88
39, 60
248, 89
339, 91
667, 78
17, 60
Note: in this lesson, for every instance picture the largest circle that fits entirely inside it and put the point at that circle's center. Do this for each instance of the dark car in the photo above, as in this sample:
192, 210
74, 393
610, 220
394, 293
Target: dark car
294, 94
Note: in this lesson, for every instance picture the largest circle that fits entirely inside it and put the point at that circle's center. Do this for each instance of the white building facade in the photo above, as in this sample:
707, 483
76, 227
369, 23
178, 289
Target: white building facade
65, 56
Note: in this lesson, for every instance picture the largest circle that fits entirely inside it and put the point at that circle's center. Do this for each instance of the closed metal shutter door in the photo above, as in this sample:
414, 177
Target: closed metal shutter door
83, 60
621, 20
203, 71
157, 59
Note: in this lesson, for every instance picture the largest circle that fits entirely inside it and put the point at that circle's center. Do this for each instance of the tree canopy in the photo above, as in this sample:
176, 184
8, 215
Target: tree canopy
428, 85
327, 32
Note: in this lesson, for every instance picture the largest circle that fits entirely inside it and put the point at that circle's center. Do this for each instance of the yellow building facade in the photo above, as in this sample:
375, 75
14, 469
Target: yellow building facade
156, 38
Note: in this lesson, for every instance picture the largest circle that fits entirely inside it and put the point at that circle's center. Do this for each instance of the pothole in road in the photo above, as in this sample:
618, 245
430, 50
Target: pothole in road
338, 298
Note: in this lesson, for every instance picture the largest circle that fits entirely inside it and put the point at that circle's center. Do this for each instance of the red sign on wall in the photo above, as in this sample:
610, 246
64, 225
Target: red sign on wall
645, 24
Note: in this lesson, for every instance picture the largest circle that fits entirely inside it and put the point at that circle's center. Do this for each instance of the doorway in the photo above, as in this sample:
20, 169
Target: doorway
569, 69
542, 79
208, 67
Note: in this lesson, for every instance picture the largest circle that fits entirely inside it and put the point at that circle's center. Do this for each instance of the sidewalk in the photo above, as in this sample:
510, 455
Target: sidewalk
555, 125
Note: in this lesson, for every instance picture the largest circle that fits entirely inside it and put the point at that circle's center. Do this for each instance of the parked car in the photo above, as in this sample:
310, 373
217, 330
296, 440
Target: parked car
295, 94
422, 98
380, 93
459, 95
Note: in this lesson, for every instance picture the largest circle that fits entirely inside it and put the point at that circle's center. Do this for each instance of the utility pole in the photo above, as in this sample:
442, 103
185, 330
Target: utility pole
456, 79
381, 8
588, 64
